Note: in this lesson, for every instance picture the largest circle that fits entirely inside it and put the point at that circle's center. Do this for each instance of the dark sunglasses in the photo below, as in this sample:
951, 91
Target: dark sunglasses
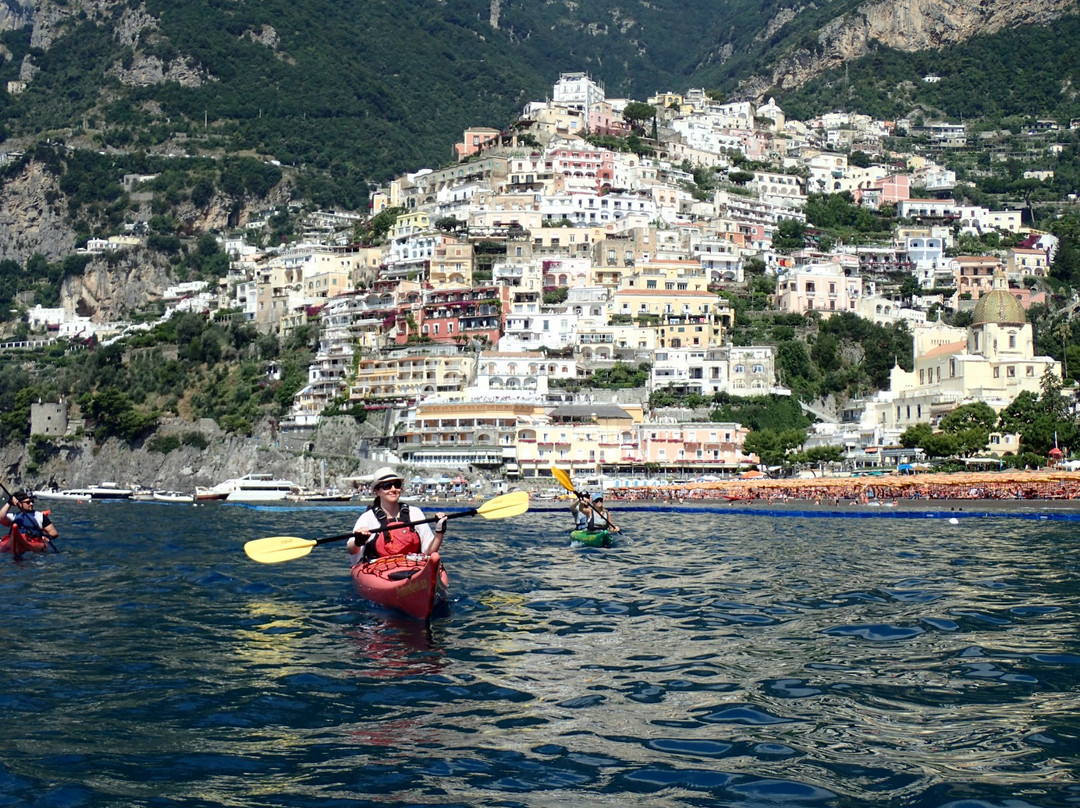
388, 486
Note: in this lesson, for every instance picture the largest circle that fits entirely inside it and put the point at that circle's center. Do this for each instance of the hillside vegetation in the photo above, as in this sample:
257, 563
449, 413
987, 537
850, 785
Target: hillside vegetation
353, 93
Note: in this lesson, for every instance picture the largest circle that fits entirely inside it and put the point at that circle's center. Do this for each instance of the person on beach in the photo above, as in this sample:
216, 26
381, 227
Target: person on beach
29, 528
384, 528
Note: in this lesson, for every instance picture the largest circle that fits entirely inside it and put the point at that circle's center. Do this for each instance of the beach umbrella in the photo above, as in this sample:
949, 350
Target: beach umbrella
751, 475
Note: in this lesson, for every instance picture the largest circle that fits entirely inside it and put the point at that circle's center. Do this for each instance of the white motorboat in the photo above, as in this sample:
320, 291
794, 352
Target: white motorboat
250, 488
90, 493
327, 495
172, 496
57, 494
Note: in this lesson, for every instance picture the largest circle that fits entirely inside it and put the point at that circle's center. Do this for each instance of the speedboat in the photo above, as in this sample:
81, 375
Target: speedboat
57, 494
90, 493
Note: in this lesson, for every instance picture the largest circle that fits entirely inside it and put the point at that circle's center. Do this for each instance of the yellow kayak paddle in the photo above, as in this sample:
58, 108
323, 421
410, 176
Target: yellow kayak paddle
275, 549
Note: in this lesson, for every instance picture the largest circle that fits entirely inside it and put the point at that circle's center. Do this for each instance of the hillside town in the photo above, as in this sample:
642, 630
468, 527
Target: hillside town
538, 257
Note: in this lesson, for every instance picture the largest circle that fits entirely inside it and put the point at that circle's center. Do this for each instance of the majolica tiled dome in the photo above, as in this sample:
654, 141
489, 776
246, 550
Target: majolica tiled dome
998, 306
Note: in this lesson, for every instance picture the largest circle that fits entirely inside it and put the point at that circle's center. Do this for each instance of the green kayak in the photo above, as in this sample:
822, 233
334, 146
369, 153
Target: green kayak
592, 538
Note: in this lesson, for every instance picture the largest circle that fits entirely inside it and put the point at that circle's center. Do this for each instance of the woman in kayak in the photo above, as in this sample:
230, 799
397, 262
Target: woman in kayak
35, 527
387, 511
599, 518
581, 511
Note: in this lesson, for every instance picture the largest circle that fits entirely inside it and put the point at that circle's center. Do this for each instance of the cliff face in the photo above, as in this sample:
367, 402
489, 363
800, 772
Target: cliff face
338, 443
32, 217
906, 25
34, 221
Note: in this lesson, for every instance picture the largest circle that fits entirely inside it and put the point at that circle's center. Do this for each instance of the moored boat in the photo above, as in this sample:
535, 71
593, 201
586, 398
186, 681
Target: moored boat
591, 538
172, 496
90, 493
413, 584
249, 488
66, 494
327, 495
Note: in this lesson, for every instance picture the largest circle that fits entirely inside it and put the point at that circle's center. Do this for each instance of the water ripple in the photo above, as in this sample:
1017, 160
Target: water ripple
730, 660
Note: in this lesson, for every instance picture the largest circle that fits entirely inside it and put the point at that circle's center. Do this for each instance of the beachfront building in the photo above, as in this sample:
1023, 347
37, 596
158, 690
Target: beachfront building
449, 432
694, 447
991, 361
578, 437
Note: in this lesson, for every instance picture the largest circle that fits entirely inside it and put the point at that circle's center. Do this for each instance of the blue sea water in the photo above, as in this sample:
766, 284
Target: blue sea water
708, 659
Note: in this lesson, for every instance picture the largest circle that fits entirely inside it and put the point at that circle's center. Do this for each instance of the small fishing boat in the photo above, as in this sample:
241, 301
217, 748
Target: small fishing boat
591, 538
17, 543
172, 496
326, 495
413, 584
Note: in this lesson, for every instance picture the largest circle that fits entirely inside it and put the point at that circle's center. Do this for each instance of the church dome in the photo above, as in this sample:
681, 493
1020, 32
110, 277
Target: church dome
998, 306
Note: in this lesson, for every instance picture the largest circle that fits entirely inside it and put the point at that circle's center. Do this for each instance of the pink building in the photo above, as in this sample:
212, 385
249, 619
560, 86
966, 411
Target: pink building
817, 287
890, 190
711, 446
474, 140
583, 160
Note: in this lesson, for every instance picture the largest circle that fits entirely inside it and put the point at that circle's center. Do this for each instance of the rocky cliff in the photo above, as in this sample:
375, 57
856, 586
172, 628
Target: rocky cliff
906, 25
339, 443
32, 216
34, 220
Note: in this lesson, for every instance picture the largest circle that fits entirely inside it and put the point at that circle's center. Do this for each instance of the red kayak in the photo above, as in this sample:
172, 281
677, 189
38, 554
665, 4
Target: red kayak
414, 584
18, 543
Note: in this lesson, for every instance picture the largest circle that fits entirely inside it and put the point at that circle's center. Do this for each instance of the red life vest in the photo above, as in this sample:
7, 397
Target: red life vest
397, 540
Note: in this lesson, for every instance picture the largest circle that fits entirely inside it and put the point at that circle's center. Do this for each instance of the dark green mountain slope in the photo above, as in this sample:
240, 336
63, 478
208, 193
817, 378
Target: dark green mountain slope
1031, 72
354, 91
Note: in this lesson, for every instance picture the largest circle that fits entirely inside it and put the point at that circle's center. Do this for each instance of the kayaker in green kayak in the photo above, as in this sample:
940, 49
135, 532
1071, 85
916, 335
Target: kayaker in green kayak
589, 514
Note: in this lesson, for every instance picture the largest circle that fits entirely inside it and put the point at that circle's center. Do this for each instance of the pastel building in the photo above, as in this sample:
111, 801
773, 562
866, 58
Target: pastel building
825, 288
992, 361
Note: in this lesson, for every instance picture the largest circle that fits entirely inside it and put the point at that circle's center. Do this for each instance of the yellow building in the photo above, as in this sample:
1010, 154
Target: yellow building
451, 265
411, 374
578, 437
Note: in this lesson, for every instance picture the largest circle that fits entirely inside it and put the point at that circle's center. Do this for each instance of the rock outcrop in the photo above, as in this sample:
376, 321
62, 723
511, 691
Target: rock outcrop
906, 25
32, 216
332, 453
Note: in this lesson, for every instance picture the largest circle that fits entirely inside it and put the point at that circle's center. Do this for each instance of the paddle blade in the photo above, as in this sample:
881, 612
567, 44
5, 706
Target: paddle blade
563, 478
512, 504
276, 549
